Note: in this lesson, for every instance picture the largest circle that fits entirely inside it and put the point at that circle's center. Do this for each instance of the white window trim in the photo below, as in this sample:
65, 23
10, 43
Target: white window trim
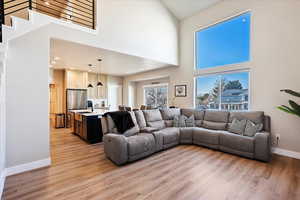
156, 85
229, 68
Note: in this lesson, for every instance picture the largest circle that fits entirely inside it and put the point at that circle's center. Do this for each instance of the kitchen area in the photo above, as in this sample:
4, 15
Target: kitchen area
78, 100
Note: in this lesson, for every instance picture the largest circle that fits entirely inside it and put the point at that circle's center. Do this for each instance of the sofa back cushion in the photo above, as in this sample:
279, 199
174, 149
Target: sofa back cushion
198, 115
216, 120
154, 119
168, 115
256, 117
140, 118
113, 129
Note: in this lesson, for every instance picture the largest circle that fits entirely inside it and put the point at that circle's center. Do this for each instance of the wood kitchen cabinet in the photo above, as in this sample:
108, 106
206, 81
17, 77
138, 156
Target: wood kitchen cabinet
76, 79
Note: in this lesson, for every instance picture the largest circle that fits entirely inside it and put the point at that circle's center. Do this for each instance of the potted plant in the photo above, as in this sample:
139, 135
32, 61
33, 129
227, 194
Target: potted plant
294, 107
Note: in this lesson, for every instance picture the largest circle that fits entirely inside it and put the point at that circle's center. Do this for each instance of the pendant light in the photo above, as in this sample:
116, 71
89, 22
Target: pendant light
99, 84
90, 85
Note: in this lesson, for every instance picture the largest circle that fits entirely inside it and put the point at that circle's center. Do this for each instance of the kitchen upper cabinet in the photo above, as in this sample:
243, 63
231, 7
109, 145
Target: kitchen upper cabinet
76, 79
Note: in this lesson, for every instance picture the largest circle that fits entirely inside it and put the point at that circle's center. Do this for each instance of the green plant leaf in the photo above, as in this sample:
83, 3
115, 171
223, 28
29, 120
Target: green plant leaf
284, 110
288, 110
295, 106
291, 92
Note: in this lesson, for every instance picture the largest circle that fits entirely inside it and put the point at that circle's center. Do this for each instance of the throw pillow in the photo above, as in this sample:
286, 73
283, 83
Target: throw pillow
237, 126
252, 128
179, 121
190, 121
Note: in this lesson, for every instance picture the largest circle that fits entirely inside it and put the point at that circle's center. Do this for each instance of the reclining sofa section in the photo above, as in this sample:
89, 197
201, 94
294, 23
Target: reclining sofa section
154, 132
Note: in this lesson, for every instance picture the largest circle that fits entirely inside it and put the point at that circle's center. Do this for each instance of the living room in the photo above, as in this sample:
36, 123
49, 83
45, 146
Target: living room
219, 66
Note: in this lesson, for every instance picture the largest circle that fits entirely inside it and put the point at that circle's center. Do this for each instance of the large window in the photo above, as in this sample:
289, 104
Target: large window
224, 43
223, 92
156, 96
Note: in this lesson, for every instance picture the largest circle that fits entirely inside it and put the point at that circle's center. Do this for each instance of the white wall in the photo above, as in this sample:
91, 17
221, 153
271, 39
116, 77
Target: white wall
27, 116
2, 125
275, 45
132, 95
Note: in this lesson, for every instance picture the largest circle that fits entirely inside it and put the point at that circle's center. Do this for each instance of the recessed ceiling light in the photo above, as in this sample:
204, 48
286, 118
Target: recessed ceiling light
56, 58
47, 3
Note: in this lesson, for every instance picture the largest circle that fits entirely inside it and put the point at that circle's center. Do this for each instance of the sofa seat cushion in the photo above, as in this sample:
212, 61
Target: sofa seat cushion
206, 136
237, 142
186, 135
170, 135
140, 143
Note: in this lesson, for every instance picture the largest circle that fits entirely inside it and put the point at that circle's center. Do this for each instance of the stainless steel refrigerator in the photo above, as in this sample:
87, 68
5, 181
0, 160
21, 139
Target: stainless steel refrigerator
76, 99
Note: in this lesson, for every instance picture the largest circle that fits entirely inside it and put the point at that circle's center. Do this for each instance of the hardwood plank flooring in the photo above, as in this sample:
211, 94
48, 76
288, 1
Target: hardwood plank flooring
187, 172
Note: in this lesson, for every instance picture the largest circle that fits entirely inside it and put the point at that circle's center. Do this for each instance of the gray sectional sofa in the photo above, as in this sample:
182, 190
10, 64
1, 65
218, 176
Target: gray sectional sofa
154, 132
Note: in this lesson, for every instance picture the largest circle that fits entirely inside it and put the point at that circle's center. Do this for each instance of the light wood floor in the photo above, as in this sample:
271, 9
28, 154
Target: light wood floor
81, 171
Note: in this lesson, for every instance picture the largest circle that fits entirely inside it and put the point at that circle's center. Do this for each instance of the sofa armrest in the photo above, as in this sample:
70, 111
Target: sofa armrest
148, 129
262, 146
115, 148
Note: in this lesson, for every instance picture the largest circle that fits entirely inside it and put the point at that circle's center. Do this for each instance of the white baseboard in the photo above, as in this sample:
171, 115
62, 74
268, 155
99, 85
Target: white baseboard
27, 167
284, 152
2, 181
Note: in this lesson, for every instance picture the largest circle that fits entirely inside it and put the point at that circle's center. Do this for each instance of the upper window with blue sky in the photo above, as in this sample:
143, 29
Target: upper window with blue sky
224, 43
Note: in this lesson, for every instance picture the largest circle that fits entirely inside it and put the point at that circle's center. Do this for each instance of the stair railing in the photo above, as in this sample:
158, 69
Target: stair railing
2, 18
80, 12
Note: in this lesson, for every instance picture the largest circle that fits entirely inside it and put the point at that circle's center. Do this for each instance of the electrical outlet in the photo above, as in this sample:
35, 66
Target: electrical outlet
274, 140
277, 138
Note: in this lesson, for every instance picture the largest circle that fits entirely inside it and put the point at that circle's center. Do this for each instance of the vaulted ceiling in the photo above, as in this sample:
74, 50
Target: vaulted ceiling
186, 8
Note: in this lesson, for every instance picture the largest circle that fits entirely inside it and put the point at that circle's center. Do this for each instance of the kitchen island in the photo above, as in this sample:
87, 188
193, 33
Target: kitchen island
87, 124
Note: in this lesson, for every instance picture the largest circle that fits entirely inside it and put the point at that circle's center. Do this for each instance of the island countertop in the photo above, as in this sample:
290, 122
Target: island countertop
88, 112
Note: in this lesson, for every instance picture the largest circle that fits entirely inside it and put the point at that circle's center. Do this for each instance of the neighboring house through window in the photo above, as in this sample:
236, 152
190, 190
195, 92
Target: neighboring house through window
221, 51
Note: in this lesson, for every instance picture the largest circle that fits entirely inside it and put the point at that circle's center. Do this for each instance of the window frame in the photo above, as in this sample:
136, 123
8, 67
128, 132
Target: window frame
219, 22
229, 68
222, 73
153, 86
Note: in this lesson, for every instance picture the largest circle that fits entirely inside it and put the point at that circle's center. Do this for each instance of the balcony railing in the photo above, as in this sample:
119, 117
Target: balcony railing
80, 12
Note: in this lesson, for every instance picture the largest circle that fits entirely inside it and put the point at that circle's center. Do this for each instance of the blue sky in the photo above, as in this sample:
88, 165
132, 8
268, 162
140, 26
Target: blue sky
224, 43
206, 83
